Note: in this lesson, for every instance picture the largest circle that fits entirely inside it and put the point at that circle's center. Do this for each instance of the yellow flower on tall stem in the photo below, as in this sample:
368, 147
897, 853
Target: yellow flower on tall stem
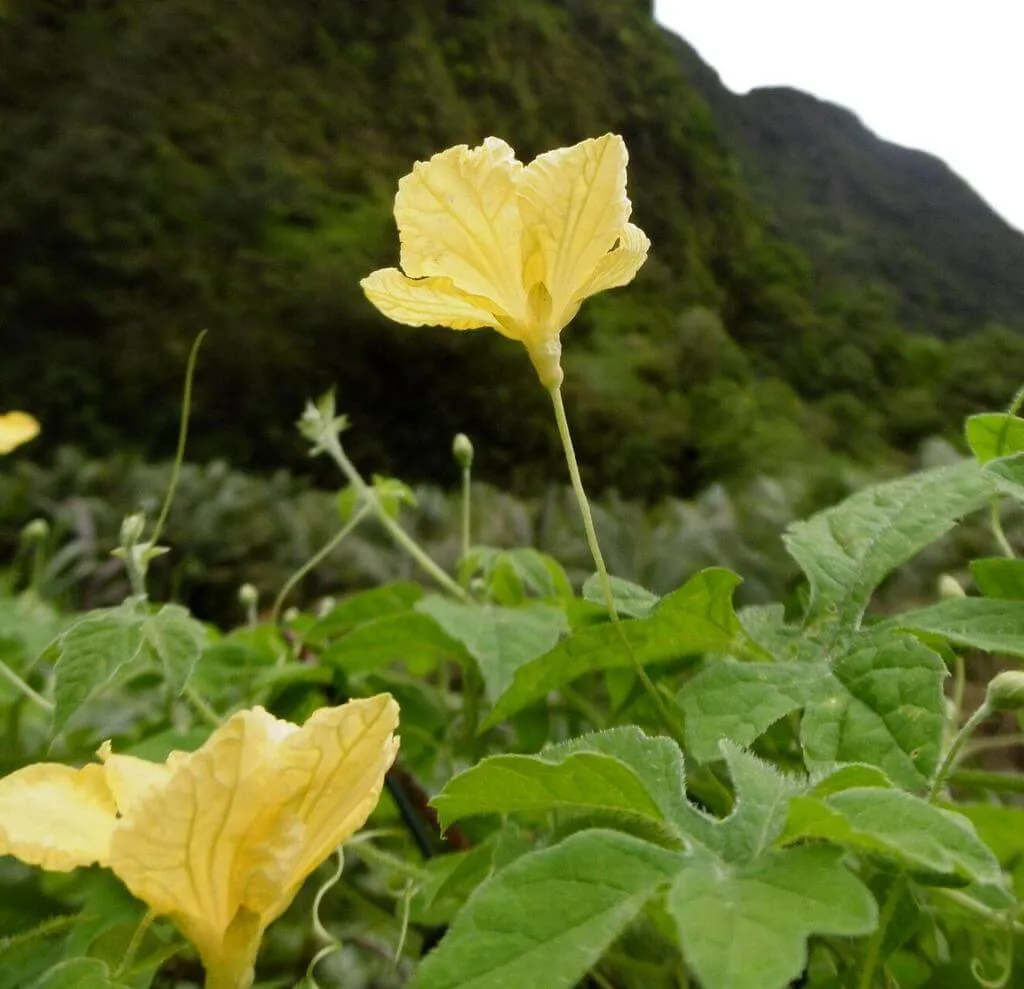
16, 428
489, 242
219, 840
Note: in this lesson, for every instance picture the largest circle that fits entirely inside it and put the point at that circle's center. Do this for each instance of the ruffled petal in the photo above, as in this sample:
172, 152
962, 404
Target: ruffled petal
354, 746
186, 847
458, 218
57, 817
130, 778
574, 207
16, 428
427, 301
620, 265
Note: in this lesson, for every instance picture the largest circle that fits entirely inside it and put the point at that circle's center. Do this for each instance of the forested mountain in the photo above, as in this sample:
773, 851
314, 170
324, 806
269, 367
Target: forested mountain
230, 164
870, 212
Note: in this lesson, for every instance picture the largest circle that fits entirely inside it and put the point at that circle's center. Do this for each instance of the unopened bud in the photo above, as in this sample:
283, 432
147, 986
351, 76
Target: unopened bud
291, 614
248, 596
36, 531
325, 606
462, 449
949, 587
1006, 691
132, 528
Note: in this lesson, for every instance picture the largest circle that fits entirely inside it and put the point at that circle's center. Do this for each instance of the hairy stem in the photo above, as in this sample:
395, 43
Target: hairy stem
602, 570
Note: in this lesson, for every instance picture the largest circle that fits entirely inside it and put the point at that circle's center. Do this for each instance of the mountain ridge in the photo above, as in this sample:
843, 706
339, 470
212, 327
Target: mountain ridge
870, 210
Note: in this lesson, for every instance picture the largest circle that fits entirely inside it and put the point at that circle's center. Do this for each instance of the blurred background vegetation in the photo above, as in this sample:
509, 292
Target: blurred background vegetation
817, 303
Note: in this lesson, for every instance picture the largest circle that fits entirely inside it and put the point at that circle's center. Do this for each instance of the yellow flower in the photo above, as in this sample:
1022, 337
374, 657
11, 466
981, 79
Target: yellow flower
16, 428
221, 839
487, 241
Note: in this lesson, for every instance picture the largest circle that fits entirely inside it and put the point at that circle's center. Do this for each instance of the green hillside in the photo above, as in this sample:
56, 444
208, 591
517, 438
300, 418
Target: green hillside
167, 167
869, 212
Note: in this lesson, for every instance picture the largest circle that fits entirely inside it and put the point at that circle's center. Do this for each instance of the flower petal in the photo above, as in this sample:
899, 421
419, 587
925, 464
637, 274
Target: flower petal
619, 266
354, 746
574, 207
16, 428
427, 301
56, 816
458, 218
186, 847
129, 778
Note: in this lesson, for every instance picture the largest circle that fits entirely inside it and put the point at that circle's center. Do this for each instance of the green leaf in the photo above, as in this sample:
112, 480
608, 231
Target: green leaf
392, 495
630, 599
900, 826
1008, 475
994, 434
363, 607
699, 617
548, 917
988, 624
740, 702
999, 577
78, 973
507, 784
534, 571
501, 640
999, 826
404, 637
91, 653
747, 928
177, 641
879, 703
620, 771
847, 550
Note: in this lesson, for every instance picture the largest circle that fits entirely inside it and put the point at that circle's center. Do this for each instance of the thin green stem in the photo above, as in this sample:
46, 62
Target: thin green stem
997, 530
973, 906
873, 951
8, 674
134, 944
369, 497
983, 779
315, 560
959, 685
602, 570
203, 707
994, 516
472, 688
993, 744
371, 853
954, 750
466, 509
179, 455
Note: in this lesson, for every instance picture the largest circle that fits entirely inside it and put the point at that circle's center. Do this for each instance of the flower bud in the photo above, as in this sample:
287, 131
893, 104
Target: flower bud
132, 528
949, 587
462, 449
248, 596
1006, 691
36, 531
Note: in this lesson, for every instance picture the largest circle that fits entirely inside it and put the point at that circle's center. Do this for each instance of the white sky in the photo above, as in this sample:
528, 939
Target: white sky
946, 76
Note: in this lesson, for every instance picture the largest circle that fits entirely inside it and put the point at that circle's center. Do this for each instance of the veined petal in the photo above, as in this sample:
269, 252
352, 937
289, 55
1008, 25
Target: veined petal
620, 265
574, 207
129, 778
186, 847
16, 428
427, 301
56, 817
354, 746
458, 218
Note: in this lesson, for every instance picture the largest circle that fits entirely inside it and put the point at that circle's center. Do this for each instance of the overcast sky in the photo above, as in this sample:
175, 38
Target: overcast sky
946, 76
